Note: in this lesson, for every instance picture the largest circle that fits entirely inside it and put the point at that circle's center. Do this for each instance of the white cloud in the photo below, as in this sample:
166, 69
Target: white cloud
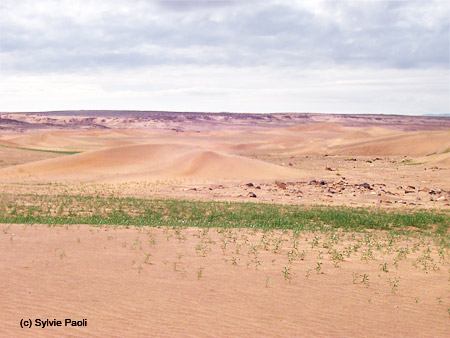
243, 55
249, 89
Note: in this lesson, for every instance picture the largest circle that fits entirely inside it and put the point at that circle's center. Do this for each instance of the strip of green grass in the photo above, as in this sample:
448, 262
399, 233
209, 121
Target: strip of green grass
43, 150
77, 209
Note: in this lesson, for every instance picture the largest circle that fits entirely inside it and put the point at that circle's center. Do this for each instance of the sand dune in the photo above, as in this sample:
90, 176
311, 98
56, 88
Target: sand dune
83, 140
325, 127
148, 162
7, 143
210, 164
414, 144
438, 159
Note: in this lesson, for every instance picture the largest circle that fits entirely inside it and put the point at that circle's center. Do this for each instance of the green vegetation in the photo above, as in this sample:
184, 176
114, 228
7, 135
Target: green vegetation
444, 152
414, 163
43, 150
411, 162
97, 210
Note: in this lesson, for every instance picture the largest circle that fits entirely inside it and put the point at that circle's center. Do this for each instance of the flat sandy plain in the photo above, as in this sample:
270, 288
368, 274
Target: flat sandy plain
177, 275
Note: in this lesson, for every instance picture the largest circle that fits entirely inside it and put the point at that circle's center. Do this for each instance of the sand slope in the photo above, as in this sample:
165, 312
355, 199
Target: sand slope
415, 144
438, 159
148, 162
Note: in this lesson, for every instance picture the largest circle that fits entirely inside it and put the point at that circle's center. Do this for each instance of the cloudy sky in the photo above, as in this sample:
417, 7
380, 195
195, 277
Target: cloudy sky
226, 55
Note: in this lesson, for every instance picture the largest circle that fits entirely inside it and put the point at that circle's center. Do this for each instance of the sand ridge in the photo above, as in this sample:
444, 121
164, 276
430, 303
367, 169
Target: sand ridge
413, 144
149, 162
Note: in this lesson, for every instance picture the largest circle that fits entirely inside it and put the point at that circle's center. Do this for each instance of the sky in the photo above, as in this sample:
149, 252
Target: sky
259, 56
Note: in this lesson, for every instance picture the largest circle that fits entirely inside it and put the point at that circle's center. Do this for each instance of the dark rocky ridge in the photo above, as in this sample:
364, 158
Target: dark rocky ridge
191, 121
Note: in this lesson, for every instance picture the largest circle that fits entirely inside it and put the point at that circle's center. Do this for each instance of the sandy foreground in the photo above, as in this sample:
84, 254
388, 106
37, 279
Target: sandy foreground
218, 283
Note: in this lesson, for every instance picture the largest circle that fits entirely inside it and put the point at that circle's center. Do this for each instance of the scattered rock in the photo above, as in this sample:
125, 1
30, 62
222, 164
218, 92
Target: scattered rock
290, 164
315, 182
330, 169
280, 185
364, 185
258, 187
410, 187
249, 185
409, 191
442, 198
251, 194
385, 202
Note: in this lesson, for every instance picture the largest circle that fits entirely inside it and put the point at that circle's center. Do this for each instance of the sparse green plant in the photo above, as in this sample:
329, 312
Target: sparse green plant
319, 267
302, 255
365, 280
394, 285
147, 258
320, 254
287, 273
6, 228
199, 273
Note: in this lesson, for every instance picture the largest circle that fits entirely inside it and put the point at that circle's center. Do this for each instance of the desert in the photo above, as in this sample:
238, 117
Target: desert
216, 224
224, 168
